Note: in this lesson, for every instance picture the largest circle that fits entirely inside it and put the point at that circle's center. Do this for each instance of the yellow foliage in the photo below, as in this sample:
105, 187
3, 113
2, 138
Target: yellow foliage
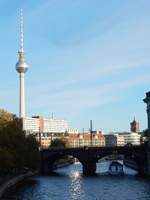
5, 117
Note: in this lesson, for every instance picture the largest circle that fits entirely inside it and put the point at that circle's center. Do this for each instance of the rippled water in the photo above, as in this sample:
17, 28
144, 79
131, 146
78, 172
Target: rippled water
69, 184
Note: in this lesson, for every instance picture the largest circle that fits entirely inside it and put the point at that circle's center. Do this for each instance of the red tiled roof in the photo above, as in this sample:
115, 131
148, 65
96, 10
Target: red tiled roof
86, 136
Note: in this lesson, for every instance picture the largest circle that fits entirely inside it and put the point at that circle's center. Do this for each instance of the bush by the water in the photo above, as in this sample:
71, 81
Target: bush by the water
17, 151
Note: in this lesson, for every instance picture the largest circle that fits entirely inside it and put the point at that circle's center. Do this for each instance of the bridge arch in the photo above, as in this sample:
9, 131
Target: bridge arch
89, 156
127, 161
48, 161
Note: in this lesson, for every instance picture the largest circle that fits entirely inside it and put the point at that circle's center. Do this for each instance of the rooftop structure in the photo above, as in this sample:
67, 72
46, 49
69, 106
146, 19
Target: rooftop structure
134, 126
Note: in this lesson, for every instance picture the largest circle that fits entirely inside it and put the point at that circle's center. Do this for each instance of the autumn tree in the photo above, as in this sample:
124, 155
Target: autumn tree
17, 151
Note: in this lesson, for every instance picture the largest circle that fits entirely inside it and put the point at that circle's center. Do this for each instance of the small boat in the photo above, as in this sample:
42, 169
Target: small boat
116, 168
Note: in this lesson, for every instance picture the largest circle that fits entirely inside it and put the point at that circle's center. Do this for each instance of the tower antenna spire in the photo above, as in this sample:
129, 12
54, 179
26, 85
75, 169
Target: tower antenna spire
21, 31
21, 68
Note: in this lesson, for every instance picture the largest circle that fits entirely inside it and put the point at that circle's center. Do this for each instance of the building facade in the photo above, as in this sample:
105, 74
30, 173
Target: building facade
32, 125
110, 140
131, 138
45, 139
122, 138
85, 139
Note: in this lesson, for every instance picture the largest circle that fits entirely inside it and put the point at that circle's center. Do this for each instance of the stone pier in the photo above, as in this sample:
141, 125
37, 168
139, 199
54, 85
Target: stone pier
89, 168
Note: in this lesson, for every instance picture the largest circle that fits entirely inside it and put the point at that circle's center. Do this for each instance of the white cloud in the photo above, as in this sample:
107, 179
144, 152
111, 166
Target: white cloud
80, 99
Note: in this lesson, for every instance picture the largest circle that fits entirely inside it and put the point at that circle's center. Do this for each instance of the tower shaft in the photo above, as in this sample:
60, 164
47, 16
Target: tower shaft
22, 96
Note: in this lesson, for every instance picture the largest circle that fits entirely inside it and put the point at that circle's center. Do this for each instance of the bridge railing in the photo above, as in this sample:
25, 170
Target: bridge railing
89, 146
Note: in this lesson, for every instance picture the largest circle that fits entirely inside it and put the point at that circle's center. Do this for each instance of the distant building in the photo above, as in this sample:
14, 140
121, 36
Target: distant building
134, 126
131, 138
84, 139
32, 125
73, 139
122, 138
45, 139
110, 140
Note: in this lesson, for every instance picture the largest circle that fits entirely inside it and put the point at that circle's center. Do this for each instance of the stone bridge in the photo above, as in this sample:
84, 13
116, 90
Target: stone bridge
89, 156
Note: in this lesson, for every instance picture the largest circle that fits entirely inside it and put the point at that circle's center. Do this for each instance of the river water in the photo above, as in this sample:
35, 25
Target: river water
69, 184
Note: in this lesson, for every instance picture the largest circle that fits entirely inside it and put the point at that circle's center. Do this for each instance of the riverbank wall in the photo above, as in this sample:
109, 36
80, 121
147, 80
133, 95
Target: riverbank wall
13, 181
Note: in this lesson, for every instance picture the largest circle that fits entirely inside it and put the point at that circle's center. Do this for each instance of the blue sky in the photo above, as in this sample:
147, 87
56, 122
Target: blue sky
88, 60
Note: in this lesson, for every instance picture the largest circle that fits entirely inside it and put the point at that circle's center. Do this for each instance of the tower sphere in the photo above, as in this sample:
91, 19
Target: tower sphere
21, 68
21, 65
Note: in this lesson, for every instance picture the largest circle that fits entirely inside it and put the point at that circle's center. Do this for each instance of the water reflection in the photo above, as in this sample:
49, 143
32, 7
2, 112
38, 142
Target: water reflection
76, 189
103, 167
69, 184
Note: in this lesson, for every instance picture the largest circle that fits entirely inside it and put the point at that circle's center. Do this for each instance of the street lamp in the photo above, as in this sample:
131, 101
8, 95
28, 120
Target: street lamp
39, 138
91, 136
51, 137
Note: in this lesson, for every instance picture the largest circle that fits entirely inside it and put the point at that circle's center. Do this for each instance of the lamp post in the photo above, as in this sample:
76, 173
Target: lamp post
91, 136
51, 138
39, 138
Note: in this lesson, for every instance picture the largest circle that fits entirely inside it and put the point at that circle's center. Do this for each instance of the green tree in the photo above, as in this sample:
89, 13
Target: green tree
6, 160
57, 143
32, 153
17, 150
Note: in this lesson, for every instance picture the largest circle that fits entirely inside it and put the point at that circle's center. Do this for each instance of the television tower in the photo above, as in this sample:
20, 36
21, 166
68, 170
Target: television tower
21, 68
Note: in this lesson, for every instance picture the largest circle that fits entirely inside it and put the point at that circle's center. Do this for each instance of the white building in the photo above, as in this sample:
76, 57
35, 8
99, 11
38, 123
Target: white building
120, 140
124, 138
132, 138
37, 123
55, 126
